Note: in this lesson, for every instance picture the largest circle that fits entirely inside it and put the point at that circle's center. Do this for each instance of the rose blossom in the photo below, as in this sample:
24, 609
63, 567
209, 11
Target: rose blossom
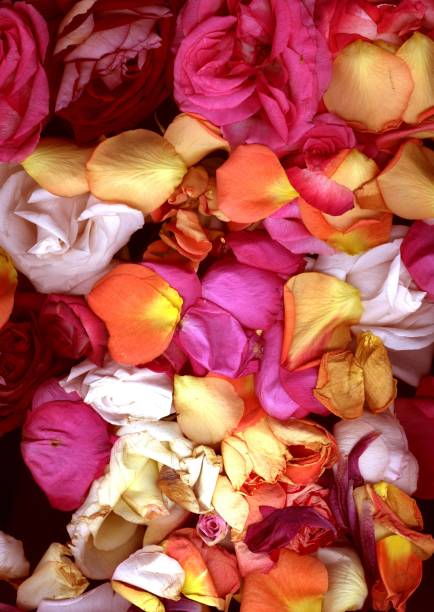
115, 61
212, 528
23, 83
258, 69
73, 329
62, 244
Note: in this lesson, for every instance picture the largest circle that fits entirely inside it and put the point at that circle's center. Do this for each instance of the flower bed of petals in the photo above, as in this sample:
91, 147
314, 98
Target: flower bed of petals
217, 301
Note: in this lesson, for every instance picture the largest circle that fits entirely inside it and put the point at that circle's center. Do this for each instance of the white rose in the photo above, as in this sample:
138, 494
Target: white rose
122, 395
62, 245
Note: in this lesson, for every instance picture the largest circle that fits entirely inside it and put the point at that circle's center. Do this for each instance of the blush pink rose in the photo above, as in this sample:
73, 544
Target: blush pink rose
256, 68
24, 94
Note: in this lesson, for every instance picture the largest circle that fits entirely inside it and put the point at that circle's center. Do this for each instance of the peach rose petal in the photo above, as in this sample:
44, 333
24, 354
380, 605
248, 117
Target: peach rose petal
319, 311
380, 386
230, 504
208, 408
252, 184
370, 87
140, 311
59, 166
297, 583
418, 53
8, 283
406, 183
193, 137
138, 167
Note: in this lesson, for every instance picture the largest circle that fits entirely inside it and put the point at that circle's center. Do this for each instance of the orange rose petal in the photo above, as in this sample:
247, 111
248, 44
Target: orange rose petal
59, 166
139, 168
370, 87
406, 183
418, 53
140, 310
319, 311
400, 570
252, 184
369, 196
253, 412
265, 494
194, 137
8, 283
297, 583
340, 385
185, 234
380, 386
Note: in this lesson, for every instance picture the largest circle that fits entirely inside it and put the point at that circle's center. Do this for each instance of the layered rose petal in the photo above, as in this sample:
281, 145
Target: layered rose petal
138, 167
417, 253
8, 283
59, 166
296, 583
140, 310
323, 193
370, 87
319, 310
252, 184
184, 233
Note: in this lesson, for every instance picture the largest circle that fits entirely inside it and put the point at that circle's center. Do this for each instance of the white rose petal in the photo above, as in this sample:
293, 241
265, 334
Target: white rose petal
347, 585
13, 563
100, 599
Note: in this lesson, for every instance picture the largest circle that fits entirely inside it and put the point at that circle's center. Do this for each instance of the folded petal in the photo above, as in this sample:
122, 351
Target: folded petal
59, 166
252, 184
370, 87
319, 311
138, 167
140, 311
297, 583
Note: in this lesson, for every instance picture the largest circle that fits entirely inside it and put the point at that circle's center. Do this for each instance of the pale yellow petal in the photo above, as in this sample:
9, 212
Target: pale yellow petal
230, 504
418, 53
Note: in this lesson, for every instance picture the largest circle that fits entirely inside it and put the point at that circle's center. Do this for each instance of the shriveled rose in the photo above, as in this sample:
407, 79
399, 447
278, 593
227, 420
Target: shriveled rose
115, 62
257, 69
23, 82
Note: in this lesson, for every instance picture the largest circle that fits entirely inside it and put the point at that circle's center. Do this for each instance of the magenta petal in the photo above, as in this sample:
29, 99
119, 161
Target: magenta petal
257, 249
66, 445
299, 384
320, 191
184, 280
51, 391
252, 296
279, 527
214, 339
417, 252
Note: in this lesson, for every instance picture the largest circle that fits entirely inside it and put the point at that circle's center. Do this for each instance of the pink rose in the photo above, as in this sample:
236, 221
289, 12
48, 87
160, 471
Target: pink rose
23, 83
73, 329
256, 68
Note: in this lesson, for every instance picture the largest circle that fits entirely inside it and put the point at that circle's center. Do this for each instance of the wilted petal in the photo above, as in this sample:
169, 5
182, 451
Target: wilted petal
140, 310
8, 283
100, 599
379, 384
319, 310
370, 87
138, 167
296, 583
55, 577
347, 589
252, 184
418, 53
194, 138
59, 166
13, 563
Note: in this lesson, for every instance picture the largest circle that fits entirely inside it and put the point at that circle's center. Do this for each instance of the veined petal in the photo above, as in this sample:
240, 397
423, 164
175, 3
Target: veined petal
230, 504
139, 168
319, 311
59, 166
347, 588
297, 583
194, 137
370, 87
8, 283
418, 53
252, 184
380, 386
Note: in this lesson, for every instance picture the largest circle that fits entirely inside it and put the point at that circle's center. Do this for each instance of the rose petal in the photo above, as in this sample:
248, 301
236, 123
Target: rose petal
100, 599
8, 283
347, 589
417, 253
323, 193
230, 504
13, 562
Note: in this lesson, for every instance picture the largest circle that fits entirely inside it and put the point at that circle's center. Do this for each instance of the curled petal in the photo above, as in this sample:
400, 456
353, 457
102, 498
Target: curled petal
380, 386
138, 167
418, 53
59, 166
252, 184
13, 563
370, 87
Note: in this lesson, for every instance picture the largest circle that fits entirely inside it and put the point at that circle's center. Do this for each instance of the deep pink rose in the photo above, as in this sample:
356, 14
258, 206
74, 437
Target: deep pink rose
257, 68
73, 329
26, 360
114, 56
66, 445
24, 95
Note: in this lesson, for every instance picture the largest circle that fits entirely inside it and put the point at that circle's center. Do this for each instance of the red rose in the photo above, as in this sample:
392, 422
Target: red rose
115, 62
73, 329
23, 83
25, 360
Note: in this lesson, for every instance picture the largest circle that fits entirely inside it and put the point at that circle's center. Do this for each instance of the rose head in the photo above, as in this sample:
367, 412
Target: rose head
114, 57
257, 69
72, 329
23, 82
